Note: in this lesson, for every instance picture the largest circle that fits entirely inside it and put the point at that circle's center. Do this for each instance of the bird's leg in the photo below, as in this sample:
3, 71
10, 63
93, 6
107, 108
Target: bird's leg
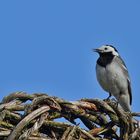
107, 99
109, 96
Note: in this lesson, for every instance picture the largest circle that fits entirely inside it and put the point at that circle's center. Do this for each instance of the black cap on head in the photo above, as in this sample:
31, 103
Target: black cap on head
112, 47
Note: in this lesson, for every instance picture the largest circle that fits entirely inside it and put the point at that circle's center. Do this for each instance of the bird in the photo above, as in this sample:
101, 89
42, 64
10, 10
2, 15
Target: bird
113, 76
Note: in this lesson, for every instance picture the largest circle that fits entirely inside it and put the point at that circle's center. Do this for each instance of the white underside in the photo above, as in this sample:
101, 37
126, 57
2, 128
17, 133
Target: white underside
113, 80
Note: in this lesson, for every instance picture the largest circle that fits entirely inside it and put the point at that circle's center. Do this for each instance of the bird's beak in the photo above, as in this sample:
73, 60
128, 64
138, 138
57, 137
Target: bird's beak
97, 50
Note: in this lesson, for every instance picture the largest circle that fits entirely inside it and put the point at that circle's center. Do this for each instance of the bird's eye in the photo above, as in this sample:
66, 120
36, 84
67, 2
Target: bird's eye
105, 48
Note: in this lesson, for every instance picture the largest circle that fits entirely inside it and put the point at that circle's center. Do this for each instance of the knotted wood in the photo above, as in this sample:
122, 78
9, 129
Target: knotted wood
38, 117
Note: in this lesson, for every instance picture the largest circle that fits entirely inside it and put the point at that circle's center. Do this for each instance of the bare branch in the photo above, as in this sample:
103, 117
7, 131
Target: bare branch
38, 117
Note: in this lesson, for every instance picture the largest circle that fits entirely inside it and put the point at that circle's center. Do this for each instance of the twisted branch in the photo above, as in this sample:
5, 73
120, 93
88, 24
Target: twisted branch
36, 117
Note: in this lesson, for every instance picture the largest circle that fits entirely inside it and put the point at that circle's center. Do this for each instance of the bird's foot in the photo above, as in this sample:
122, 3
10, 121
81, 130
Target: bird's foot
115, 102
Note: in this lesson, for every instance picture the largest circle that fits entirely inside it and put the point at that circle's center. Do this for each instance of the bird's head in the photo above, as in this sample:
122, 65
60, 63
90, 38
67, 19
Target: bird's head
107, 50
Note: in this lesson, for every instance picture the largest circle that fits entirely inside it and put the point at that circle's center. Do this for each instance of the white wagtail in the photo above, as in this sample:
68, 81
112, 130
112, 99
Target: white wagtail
113, 76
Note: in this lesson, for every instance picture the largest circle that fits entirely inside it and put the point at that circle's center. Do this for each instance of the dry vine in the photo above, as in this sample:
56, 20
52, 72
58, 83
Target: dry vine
34, 117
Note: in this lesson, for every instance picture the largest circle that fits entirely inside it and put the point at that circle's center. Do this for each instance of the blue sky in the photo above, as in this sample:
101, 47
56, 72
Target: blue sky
45, 46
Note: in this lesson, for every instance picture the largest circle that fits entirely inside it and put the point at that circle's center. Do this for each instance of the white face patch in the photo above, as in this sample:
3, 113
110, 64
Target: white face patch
108, 48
